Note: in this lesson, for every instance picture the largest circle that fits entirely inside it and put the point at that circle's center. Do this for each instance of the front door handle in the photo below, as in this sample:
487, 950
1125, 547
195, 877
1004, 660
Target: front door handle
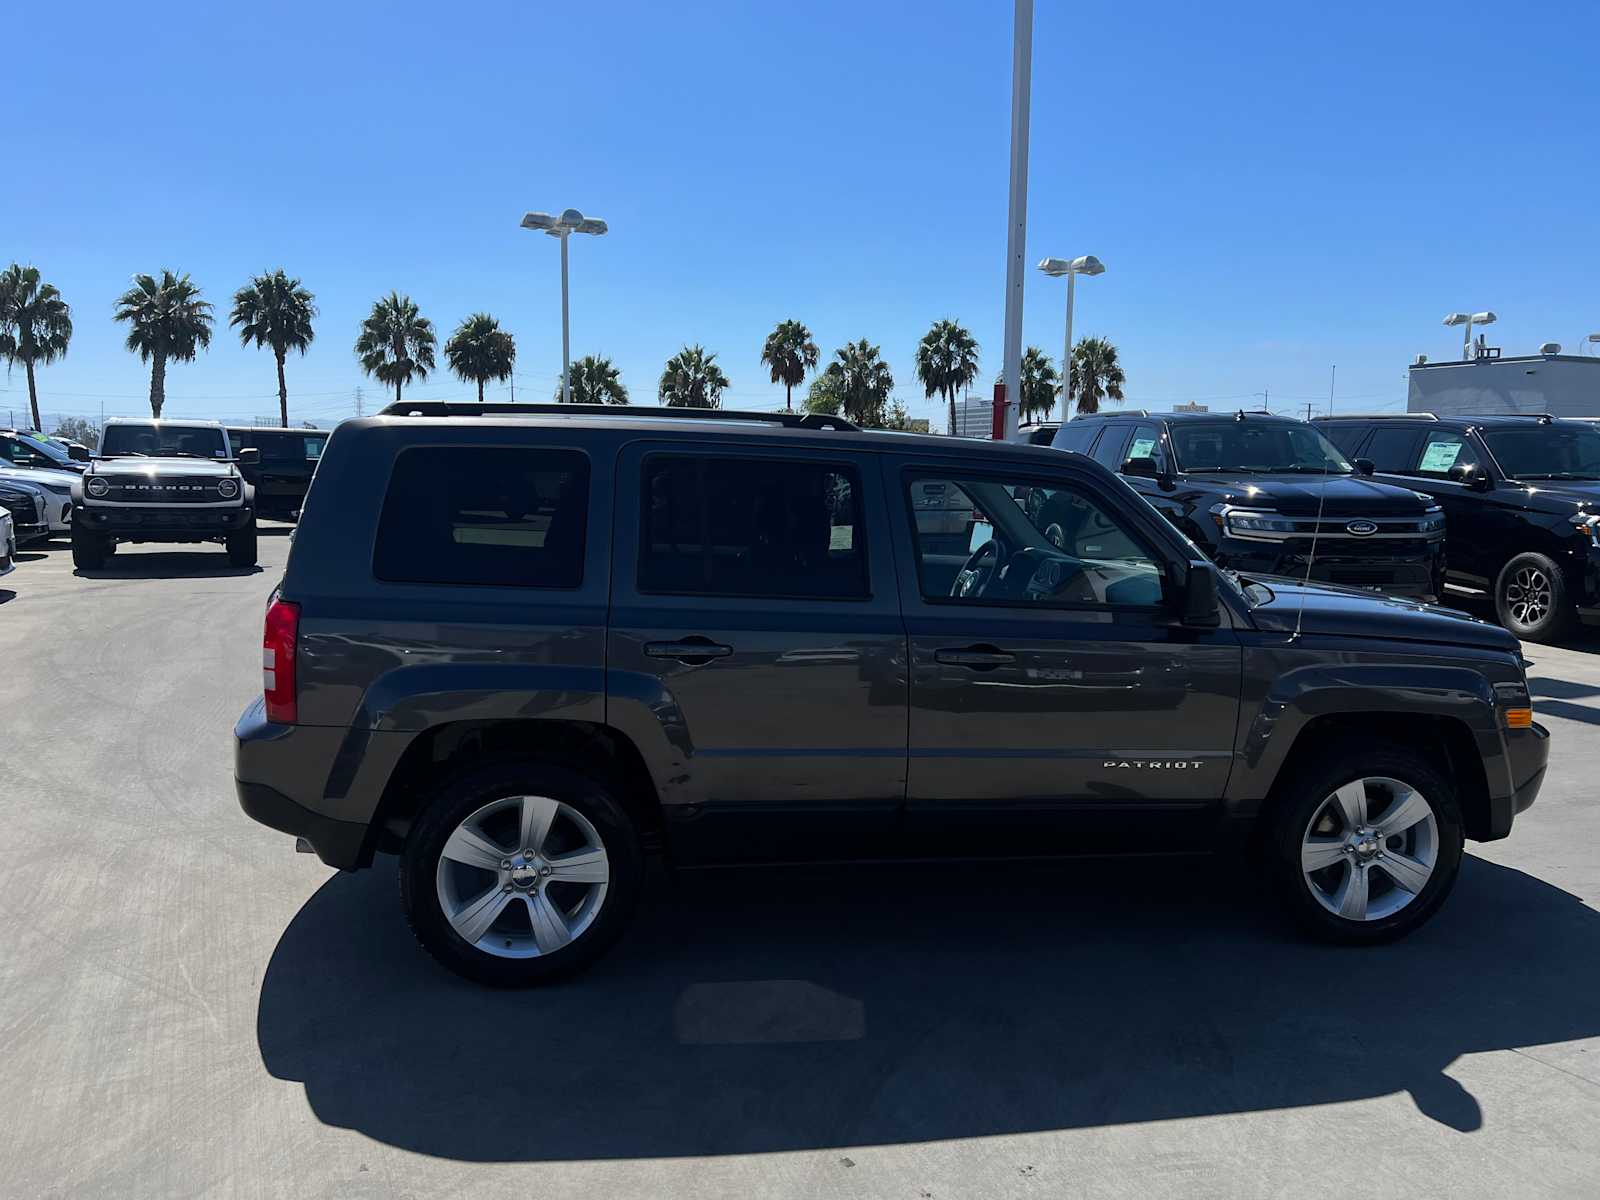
979, 658
692, 651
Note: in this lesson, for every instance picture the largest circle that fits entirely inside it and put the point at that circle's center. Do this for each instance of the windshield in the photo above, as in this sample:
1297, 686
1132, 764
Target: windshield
1546, 451
1253, 446
183, 441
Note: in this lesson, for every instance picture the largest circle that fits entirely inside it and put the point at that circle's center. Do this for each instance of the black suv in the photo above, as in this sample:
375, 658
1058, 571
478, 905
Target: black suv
281, 473
520, 651
1248, 487
1522, 495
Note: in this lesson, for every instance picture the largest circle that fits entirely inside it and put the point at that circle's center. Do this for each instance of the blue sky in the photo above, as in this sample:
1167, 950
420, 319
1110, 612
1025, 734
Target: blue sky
1273, 188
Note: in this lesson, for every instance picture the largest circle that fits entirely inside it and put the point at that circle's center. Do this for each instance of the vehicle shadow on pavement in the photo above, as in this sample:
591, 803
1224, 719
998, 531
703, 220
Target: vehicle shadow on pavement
806, 1009
166, 565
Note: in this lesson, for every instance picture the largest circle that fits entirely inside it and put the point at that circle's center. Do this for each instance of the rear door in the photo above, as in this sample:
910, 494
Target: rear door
755, 615
1052, 689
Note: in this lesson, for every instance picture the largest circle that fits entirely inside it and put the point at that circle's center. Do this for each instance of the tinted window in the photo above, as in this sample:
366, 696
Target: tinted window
1108, 450
289, 447
1077, 435
1030, 543
1443, 452
1393, 448
751, 527
1346, 435
237, 441
1547, 451
499, 517
1147, 442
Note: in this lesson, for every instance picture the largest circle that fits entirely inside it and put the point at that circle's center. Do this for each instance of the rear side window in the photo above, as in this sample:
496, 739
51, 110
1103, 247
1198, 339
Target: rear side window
1077, 435
1108, 450
1393, 450
1346, 435
751, 527
491, 517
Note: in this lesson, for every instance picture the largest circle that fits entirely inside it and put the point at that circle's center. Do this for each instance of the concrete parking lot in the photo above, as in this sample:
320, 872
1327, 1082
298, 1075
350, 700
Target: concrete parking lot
189, 1008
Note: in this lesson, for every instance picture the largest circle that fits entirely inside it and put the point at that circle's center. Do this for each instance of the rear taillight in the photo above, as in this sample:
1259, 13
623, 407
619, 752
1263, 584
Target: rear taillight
278, 640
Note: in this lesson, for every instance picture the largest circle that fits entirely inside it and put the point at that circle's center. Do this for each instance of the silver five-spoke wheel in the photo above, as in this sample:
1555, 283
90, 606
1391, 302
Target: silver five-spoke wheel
1528, 595
1370, 849
522, 876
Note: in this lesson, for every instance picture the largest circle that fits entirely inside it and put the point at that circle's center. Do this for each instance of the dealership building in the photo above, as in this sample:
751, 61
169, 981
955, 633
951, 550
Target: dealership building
1564, 385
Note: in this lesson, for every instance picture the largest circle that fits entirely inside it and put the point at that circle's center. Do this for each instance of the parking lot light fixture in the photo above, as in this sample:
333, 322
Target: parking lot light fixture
1084, 264
1469, 320
562, 227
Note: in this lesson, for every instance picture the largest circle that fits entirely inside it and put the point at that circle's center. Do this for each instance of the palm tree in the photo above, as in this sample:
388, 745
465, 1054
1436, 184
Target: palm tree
479, 350
396, 342
692, 379
1040, 383
167, 320
864, 381
791, 353
595, 381
1096, 374
274, 310
947, 361
35, 325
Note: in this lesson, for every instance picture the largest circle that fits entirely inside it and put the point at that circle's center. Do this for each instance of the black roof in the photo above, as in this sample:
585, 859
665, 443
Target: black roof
470, 408
1256, 416
273, 429
1486, 420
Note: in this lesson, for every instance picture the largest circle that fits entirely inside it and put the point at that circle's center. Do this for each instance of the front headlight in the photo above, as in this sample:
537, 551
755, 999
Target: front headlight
227, 488
1245, 522
97, 487
1590, 524
1433, 520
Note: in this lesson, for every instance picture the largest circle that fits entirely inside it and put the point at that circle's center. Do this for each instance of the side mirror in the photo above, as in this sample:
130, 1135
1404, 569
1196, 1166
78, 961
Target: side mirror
1144, 468
1200, 596
248, 457
1364, 466
1470, 478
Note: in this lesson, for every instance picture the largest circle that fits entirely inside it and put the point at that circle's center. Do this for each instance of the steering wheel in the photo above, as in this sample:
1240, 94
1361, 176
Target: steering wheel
977, 571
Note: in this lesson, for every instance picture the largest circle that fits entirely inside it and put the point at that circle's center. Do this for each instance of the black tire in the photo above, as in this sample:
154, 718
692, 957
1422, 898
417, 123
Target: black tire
241, 543
419, 865
89, 549
1303, 799
1534, 580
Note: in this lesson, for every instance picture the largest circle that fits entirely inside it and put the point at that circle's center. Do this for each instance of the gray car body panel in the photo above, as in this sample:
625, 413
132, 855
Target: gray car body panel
833, 712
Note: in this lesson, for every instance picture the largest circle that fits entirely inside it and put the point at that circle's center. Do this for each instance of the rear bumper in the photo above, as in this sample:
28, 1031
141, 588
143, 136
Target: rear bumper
337, 843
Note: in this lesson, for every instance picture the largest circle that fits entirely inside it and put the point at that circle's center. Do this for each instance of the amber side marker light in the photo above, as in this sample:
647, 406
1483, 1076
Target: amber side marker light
1519, 718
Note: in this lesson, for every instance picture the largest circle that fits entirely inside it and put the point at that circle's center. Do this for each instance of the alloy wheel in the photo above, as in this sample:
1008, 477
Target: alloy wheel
1370, 849
522, 876
1528, 596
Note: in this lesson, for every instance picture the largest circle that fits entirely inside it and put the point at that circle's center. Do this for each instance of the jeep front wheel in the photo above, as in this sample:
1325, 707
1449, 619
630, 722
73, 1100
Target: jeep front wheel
520, 874
1366, 843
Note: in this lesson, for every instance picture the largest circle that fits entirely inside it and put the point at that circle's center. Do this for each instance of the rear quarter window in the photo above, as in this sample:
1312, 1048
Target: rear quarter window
494, 517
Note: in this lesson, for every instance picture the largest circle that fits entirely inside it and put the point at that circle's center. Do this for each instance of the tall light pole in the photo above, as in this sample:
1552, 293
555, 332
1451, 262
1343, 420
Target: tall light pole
562, 227
1469, 320
1017, 214
1086, 264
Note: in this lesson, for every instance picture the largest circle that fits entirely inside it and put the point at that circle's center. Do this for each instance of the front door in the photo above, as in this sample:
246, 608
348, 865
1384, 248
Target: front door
755, 633
1050, 681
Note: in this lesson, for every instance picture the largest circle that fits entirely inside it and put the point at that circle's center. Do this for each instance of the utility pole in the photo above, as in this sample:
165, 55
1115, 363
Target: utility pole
1333, 375
513, 389
359, 399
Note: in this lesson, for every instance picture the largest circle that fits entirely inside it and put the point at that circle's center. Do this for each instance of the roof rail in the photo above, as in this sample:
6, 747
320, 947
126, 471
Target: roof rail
1121, 412
471, 408
1382, 416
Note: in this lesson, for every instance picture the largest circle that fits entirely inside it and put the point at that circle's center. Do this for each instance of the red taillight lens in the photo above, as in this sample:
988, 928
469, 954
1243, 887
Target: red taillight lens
278, 640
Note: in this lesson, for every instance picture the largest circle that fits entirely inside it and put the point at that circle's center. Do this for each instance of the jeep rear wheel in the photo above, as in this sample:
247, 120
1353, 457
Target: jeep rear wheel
1366, 844
241, 543
520, 874
1530, 599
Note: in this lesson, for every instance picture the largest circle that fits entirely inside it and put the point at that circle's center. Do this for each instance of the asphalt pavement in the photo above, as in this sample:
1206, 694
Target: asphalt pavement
189, 1008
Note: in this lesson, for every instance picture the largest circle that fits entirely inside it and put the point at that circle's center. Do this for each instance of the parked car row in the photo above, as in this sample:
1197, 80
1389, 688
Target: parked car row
155, 481
1502, 507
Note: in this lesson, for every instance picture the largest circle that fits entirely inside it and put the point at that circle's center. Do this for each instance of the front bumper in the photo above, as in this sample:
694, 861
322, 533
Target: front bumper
133, 523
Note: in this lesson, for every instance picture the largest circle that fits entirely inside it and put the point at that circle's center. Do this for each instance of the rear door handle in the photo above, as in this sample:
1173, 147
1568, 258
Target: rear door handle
979, 658
691, 650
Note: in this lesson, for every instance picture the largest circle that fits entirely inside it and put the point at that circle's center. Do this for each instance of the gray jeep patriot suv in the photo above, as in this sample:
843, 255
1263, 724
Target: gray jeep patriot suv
522, 651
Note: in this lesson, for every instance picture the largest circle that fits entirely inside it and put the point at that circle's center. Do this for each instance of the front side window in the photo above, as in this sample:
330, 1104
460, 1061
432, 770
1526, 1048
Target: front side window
1546, 451
1446, 455
758, 527
165, 440
1029, 543
1147, 442
1255, 447
509, 517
